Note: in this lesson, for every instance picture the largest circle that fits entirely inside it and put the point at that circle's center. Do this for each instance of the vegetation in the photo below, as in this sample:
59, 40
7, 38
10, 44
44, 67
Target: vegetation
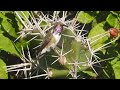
89, 47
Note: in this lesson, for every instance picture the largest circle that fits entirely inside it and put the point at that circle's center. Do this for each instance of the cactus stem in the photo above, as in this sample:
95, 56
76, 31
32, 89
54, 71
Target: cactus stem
90, 63
68, 36
22, 35
61, 54
31, 39
82, 29
53, 56
74, 70
37, 46
55, 61
36, 76
37, 25
48, 73
29, 55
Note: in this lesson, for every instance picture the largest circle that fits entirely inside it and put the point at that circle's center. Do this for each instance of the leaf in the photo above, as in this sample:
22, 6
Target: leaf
8, 27
91, 73
94, 23
112, 20
7, 45
2, 15
116, 68
115, 63
115, 12
4, 12
1, 30
23, 14
97, 30
84, 17
3, 73
7, 23
20, 26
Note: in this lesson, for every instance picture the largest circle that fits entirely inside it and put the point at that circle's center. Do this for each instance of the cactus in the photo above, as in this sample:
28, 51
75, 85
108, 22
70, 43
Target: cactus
78, 54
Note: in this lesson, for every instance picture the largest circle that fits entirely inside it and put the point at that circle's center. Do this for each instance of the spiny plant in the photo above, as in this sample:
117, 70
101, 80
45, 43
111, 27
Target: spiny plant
55, 46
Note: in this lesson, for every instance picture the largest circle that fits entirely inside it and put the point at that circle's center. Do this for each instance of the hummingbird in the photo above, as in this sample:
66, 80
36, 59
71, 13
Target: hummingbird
51, 39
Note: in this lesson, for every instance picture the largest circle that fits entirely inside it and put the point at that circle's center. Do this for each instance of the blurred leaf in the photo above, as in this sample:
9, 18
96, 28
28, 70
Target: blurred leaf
20, 26
84, 17
3, 16
112, 20
12, 77
1, 30
3, 73
91, 73
7, 45
115, 63
97, 12
94, 23
8, 27
24, 15
115, 12
7, 23
4, 12
97, 30
116, 68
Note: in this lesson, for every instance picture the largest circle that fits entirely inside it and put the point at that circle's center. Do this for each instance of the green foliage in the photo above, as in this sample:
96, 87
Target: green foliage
24, 15
115, 65
116, 69
98, 23
20, 26
86, 16
97, 30
3, 72
91, 73
112, 20
7, 45
7, 25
